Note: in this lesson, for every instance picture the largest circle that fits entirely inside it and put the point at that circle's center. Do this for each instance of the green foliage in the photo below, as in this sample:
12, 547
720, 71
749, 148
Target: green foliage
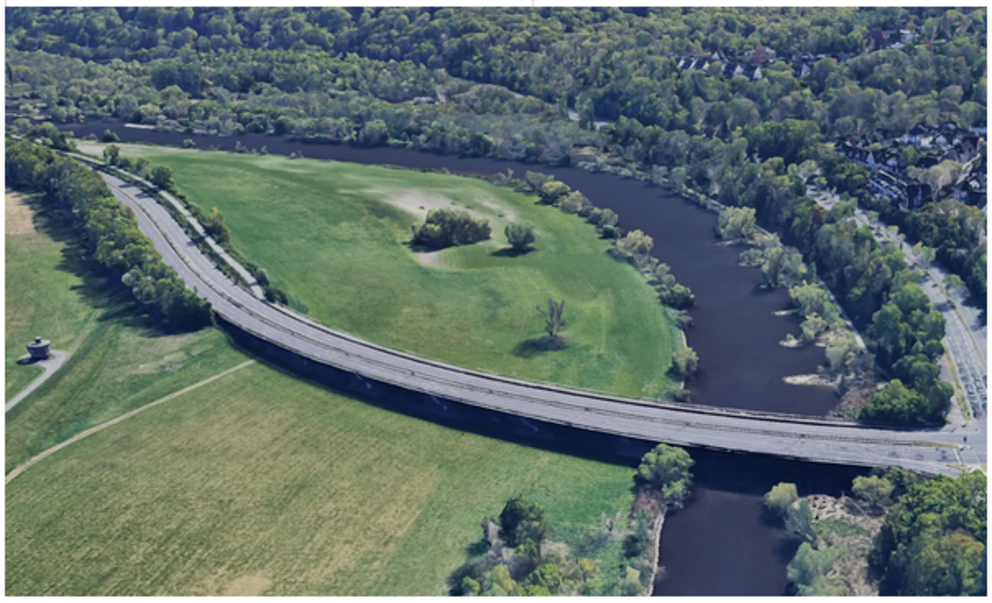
810, 564
799, 520
735, 223
449, 227
638, 543
548, 577
780, 498
671, 293
110, 136
933, 540
874, 490
521, 520
553, 192
685, 362
667, 468
520, 235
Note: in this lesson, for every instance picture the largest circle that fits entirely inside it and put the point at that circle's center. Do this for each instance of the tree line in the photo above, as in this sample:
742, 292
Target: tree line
109, 229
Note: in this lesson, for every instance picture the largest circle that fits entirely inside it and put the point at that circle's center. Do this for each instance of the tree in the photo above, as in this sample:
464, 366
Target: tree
553, 192
470, 587
810, 564
667, 467
520, 235
161, 177
812, 327
685, 362
110, 136
810, 299
637, 543
638, 245
736, 223
799, 520
781, 498
213, 223
554, 323
874, 490
952, 282
112, 154
522, 520
926, 254
549, 577
948, 566
189, 144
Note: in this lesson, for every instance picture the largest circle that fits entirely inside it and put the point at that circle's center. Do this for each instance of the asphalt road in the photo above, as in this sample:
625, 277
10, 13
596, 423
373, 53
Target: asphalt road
819, 440
51, 364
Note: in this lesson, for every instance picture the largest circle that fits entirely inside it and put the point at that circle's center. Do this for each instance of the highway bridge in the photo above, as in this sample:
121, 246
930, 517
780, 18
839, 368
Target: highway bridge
805, 438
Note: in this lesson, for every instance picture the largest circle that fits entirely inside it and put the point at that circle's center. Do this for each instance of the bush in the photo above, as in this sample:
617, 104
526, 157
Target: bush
189, 144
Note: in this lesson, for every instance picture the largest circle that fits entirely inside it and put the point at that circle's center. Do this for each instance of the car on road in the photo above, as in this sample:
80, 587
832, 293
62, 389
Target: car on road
968, 388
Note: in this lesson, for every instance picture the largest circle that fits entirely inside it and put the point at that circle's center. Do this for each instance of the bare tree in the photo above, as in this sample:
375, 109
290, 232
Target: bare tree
552, 318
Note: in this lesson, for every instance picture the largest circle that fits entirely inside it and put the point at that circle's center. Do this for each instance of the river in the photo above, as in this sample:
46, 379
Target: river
721, 543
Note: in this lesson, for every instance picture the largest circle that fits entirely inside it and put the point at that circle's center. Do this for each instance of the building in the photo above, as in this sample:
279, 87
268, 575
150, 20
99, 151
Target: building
39, 349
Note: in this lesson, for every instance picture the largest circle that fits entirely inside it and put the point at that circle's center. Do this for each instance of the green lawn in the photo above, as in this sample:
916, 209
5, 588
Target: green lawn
41, 300
334, 236
261, 483
120, 357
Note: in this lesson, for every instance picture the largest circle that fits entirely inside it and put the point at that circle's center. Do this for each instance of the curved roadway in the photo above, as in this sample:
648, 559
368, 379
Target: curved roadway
818, 440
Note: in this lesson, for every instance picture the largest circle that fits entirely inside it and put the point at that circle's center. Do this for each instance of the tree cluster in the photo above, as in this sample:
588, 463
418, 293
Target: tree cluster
517, 562
933, 540
450, 227
110, 231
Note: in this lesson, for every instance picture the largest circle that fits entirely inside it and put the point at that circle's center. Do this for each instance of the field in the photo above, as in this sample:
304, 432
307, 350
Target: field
120, 358
262, 483
256, 483
335, 237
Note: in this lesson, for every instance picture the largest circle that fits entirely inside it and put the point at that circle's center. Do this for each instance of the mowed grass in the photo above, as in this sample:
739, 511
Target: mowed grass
41, 298
260, 483
120, 358
334, 236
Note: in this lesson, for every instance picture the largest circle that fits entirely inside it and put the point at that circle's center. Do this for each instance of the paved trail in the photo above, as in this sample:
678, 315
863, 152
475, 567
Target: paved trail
51, 364
22, 468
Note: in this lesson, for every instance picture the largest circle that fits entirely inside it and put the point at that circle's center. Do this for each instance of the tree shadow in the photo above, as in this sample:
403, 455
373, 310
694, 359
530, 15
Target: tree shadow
539, 345
511, 252
477, 548
786, 548
624, 258
100, 288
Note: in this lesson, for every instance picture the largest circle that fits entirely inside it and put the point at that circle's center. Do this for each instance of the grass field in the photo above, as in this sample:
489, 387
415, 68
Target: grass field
334, 236
120, 357
262, 483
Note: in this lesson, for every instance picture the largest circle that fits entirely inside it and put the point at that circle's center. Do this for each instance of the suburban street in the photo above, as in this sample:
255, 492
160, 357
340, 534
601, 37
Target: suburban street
819, 440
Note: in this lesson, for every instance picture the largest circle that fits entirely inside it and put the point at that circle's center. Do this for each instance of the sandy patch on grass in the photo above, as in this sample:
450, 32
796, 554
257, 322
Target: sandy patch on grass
247, 586
18, 218
93, 147
418, 202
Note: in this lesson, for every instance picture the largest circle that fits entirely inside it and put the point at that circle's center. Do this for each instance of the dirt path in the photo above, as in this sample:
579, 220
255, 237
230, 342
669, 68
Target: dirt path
22, 468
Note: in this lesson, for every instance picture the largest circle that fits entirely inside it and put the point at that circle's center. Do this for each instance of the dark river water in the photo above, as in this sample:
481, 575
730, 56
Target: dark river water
721, 543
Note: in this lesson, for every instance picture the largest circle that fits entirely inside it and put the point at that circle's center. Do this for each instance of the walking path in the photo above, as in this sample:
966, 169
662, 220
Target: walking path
51, 364
22, 468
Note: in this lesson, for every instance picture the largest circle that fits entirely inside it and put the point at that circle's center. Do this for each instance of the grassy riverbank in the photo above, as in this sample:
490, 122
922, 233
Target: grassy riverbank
334, 236
261, 483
